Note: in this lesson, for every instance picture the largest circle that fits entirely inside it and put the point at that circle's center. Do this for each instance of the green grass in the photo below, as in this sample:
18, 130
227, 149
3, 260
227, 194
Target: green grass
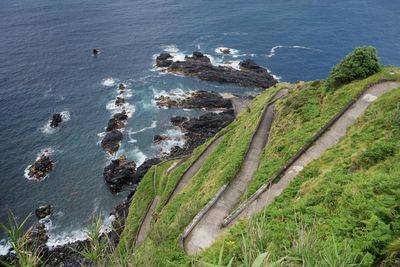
298, 117
219, 167
358, 210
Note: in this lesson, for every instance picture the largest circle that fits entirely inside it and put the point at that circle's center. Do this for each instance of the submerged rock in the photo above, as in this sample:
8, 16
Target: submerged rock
158, 138
41, 167
200, 66
56, 120
119, 173
43, 211
198, 99
111, 141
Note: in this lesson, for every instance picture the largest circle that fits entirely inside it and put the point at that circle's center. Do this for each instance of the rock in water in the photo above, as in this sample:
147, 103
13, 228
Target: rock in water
226, 51
95, 51
56, 120
198, 99
119, 173
164, 60
43, 211
111, 141
41, 167
146, 165
200, 66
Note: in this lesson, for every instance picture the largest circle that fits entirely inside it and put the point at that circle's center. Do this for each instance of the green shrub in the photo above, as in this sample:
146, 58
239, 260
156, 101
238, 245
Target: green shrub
375, 154
359, 64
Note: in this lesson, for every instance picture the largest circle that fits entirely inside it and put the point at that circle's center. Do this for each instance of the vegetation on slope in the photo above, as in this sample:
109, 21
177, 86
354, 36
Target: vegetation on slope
162, 248
342, 209
359, 64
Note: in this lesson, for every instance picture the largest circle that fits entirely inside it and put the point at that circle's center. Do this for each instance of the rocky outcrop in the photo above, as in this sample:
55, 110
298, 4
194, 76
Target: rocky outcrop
146, 165
197, 99
119, 173
41, 167
37, 238
158, 138
56, 120
198, 130
111, 141
200, 66
43, 211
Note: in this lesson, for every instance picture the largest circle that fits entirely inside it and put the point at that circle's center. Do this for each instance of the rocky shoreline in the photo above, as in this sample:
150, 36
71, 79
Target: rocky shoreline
199, 65
120, 172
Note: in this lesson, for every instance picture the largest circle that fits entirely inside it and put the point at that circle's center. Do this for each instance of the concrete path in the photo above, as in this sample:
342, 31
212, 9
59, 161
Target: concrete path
328, 139
209, 227
146, 223
194, 168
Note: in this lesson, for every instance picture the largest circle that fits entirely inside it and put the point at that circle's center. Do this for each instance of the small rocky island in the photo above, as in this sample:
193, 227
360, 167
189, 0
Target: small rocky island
56, 120
41, 167
200, 66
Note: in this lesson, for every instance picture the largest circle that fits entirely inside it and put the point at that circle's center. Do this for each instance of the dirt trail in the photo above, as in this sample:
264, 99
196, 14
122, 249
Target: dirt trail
209, 227
145, 226
330, 138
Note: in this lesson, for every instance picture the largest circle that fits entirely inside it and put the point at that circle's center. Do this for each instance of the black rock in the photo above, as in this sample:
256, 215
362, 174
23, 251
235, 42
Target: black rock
198, 99
146, 165
178, 120
164, 60
95, 51
114, 124
37, 238
43, 211
41, 167
199, 65
111, 141
158, 138
120, 116
119, 173
56, 120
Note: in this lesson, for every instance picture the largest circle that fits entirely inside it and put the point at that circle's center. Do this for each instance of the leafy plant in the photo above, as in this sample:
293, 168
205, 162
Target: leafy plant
359, 64
26, 257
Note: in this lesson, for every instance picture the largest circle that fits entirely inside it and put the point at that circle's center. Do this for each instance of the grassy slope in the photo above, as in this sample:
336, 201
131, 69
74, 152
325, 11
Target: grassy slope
220, 166
328, 206
299, 116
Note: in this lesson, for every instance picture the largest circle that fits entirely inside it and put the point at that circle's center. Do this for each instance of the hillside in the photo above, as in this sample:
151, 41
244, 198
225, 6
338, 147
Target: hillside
341, 206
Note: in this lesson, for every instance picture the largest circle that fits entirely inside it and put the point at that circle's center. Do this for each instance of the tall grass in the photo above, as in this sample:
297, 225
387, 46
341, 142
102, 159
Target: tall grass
18, 234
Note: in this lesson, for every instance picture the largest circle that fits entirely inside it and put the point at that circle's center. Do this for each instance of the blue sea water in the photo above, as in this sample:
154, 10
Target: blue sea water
46, 66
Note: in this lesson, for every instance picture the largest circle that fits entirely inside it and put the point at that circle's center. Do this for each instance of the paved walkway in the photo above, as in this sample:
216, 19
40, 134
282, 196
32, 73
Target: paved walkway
194, 168
209, 227
145, 226
326, 141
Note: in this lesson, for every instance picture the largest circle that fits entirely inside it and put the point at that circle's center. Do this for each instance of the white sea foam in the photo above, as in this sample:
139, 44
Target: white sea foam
65, 238
137, 155
234, 33
4, 246
108, 82
174, 51
153, 125
129, 108
176, 138
46, 151
273, 49
232, 51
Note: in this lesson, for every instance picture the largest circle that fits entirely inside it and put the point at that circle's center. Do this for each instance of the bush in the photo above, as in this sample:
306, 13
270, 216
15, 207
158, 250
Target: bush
375, 154
359, 64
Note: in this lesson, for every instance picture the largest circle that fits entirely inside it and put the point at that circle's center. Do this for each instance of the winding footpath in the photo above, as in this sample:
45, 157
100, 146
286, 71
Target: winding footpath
268, 192
146, 223
207, 229
194, 168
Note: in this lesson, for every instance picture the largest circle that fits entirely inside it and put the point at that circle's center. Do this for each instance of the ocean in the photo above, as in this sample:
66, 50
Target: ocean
46, 66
